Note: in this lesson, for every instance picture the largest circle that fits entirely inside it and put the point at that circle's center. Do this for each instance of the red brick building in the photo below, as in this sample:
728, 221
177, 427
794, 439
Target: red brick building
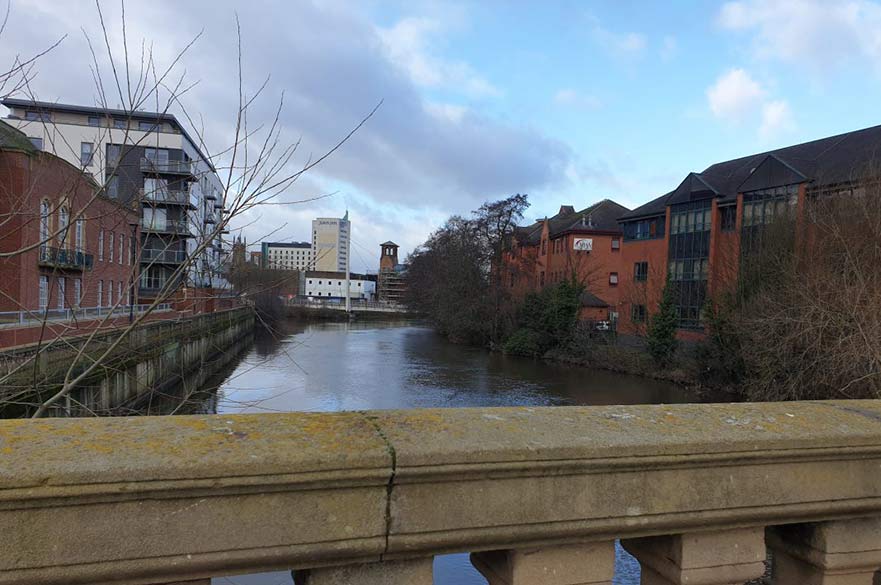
586, 244
69, 245
698, 233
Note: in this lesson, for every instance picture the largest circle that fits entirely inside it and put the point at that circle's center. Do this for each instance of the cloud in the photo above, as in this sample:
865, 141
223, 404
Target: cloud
409, 43
669, 48
574, 99
418, 157
737, 98
735, 95
815, 34
628, 45
776, 119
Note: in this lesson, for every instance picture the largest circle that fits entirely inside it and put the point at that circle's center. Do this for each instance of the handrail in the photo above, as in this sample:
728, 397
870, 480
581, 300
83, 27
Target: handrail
161, 499
18, 318
65, 258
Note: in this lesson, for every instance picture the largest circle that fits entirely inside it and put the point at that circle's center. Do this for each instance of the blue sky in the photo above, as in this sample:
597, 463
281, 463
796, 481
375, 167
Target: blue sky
571, 102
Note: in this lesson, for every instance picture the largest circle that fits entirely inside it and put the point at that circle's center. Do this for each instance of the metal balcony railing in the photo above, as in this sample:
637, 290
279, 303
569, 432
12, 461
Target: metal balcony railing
163, 256
16, 318
171, 167
64, 258
176, 197
168, 226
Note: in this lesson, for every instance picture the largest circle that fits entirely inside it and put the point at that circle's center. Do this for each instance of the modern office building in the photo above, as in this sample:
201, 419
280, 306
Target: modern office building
287, 255
330, 243
150, 159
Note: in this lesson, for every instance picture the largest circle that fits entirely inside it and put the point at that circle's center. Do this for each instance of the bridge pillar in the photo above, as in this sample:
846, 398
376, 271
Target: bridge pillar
840, 552
729, 557
578, 564
407, 572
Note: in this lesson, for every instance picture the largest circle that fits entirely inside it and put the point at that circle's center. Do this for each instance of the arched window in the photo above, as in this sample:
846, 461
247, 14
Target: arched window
80, 235
63, 220
44, 223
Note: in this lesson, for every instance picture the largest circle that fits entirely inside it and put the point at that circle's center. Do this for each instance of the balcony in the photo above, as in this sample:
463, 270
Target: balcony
167, 197
169, 167
65, 259
160, 256
168, 226
209, 218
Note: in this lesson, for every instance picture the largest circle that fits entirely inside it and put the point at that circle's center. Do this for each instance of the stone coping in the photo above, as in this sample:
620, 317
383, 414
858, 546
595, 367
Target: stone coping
187, 497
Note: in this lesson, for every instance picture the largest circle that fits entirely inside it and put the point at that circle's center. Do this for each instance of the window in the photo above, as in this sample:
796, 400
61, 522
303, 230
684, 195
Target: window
120, 124
616, 244
62, 282
100, 292
544, 247
154, 219
63, 221
44, 223
114, 153
80, 235
637, 313
613, 278
36, 141
86, 153
640, 271
644, 229
94, 121
77, 292
44, 292
119, 291
147, 126
101, 245
110, 248
121, 249
34, 116
727, 218
131, 249
109, 293
112, 189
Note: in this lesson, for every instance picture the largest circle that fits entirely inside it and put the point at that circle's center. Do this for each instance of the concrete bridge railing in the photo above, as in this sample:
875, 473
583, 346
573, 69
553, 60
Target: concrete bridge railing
538, 495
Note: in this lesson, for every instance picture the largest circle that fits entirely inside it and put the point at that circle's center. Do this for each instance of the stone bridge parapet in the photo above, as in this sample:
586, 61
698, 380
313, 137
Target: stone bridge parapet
697, 493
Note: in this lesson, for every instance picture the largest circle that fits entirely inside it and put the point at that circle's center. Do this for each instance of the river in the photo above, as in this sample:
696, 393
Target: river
380, 365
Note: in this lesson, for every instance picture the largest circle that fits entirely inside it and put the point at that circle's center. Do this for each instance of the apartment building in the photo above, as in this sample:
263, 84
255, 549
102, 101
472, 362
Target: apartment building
699, 233
330, 243
586, 244
147, 158
287, 255
69, 246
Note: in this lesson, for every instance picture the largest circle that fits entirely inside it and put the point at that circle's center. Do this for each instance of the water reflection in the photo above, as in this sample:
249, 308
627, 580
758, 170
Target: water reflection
399, 364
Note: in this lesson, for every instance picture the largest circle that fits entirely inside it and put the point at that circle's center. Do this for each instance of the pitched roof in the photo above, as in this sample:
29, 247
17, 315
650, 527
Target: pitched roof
11, 138
588, 299
836, 159
389, 243
601, 216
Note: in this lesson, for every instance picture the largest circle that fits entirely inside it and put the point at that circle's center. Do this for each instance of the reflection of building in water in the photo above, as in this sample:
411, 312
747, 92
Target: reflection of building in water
391, 282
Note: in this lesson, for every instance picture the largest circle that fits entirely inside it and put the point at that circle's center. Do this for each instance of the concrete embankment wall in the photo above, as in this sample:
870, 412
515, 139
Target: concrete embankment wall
155, 359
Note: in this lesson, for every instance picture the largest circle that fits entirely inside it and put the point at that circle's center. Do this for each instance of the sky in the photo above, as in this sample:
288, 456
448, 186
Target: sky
570, 102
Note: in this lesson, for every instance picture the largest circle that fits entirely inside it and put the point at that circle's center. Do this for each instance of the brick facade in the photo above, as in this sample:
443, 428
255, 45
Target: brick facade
40, 194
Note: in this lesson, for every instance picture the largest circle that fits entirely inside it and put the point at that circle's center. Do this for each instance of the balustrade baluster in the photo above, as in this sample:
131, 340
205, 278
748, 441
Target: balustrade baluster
406, 572
729, 557
576, 564
840, 552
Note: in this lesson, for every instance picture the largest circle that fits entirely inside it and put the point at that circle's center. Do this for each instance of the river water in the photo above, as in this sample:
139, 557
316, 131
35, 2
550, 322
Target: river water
380, 365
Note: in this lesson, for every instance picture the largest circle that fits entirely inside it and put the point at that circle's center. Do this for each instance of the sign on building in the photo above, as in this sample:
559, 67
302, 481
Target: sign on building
583, 244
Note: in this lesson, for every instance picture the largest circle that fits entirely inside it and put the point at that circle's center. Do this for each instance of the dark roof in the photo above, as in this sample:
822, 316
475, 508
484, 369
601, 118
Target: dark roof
588, 299
289, 244
11, 138
601, 216
389, 243
134, 115
836, 159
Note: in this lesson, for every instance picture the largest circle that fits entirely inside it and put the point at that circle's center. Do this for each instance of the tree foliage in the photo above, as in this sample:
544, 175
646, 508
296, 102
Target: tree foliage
662, 328
546, 320
453, 278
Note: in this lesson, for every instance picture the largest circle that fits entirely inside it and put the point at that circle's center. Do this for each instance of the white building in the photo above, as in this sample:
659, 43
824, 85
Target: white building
148, 157
332, 285
330, 243
287, 256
